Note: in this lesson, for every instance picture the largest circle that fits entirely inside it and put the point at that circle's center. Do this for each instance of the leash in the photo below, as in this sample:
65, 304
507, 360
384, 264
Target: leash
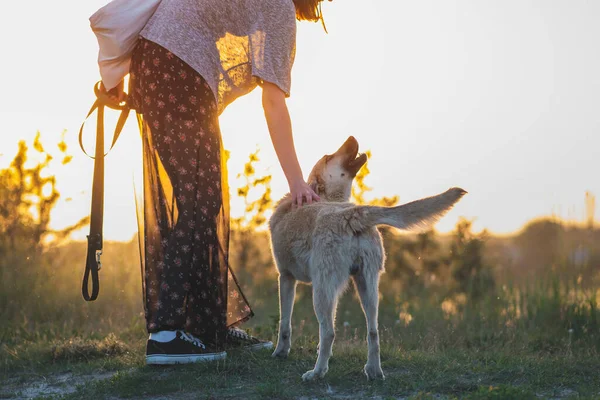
94, 250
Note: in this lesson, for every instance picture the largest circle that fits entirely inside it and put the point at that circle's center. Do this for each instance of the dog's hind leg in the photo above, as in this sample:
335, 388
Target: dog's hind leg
287, 293
325, 295
367, 282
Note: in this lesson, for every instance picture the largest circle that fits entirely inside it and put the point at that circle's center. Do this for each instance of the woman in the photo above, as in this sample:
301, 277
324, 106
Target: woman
194, 57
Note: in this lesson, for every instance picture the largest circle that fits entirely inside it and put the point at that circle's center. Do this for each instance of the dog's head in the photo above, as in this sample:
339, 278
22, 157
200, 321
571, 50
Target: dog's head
331, 178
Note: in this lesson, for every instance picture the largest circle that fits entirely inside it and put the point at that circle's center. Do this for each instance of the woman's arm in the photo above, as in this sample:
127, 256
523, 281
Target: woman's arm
280, 129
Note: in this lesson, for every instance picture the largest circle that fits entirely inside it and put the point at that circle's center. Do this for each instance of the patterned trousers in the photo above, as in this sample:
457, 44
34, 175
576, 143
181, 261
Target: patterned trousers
188, 284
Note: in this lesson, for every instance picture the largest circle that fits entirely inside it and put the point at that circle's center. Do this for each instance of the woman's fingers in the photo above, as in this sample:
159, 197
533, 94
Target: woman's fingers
309, 196
304, 195
314, 195
116, 94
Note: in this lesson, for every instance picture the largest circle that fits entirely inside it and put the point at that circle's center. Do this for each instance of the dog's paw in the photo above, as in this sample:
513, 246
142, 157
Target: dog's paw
281, 353
313, 375
373, 372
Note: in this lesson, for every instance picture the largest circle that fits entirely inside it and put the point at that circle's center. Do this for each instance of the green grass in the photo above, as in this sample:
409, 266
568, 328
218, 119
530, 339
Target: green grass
518, 341
483, 351
419, 372
408, 373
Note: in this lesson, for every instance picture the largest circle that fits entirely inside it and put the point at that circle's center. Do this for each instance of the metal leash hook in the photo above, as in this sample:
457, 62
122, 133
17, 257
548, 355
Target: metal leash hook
98, 254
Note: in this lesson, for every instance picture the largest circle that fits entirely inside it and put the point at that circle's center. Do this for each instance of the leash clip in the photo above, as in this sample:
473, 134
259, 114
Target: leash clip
98, 254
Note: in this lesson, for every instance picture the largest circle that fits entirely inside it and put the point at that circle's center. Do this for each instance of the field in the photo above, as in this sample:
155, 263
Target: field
464, 315
536, 341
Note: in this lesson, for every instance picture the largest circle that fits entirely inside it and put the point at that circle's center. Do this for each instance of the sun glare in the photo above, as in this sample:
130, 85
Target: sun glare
442, 96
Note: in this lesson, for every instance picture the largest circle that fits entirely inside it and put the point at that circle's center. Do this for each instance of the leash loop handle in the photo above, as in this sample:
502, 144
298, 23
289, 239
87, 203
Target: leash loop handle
102, 100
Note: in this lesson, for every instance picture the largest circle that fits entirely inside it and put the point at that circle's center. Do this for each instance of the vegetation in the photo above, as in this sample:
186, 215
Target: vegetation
464, 315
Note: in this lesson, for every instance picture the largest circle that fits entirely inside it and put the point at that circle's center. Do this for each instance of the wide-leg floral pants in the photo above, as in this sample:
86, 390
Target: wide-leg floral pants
187, 282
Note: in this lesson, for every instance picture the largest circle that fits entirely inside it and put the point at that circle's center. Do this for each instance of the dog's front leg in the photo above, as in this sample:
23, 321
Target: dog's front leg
287, 293
324, 302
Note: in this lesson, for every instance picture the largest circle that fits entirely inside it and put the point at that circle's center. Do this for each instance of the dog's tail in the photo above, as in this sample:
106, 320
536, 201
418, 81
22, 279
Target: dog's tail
416, 214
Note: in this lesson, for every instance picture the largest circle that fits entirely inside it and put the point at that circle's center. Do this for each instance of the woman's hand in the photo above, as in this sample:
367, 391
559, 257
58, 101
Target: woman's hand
116, 94
300, 191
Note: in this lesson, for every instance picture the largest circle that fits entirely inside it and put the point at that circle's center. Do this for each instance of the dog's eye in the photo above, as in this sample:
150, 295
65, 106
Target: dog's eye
343, 174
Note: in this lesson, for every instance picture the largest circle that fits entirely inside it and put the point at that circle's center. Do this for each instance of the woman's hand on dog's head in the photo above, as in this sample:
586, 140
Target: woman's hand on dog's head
301, 192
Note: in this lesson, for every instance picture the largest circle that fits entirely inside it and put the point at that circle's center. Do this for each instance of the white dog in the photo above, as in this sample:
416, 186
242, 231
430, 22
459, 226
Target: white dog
331, 241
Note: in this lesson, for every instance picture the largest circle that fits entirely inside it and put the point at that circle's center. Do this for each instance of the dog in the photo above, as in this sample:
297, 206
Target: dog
330, 242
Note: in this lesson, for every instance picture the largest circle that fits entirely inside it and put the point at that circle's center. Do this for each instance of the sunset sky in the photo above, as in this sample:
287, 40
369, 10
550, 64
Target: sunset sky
501, 98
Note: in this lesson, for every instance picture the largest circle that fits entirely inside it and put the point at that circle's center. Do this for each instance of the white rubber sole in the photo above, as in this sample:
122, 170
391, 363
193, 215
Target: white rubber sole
259, 346
168, 359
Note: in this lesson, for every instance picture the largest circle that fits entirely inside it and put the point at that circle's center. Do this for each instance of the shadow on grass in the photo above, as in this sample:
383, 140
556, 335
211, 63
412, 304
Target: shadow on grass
78, 349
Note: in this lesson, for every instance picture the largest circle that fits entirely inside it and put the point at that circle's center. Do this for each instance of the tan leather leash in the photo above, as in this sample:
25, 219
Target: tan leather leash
94, 250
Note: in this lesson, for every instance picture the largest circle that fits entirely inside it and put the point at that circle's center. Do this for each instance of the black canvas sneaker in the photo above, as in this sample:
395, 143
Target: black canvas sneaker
237, 338
184, 349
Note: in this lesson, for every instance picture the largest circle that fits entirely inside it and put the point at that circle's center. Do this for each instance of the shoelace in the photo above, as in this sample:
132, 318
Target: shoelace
192, 339
237, 332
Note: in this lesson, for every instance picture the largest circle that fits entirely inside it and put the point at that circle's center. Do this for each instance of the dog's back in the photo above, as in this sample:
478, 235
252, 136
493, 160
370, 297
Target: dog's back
293, 232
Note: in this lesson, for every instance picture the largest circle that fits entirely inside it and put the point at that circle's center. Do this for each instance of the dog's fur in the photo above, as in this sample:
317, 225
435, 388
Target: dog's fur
332, 241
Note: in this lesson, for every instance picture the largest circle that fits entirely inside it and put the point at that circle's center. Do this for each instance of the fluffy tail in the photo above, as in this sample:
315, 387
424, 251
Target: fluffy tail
416, 214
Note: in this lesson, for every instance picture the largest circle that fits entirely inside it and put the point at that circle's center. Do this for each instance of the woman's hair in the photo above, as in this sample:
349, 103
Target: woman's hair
309, 10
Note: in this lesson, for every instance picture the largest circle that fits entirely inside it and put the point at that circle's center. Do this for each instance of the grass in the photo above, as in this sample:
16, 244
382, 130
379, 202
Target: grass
517, 341
474, 354
421, 374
